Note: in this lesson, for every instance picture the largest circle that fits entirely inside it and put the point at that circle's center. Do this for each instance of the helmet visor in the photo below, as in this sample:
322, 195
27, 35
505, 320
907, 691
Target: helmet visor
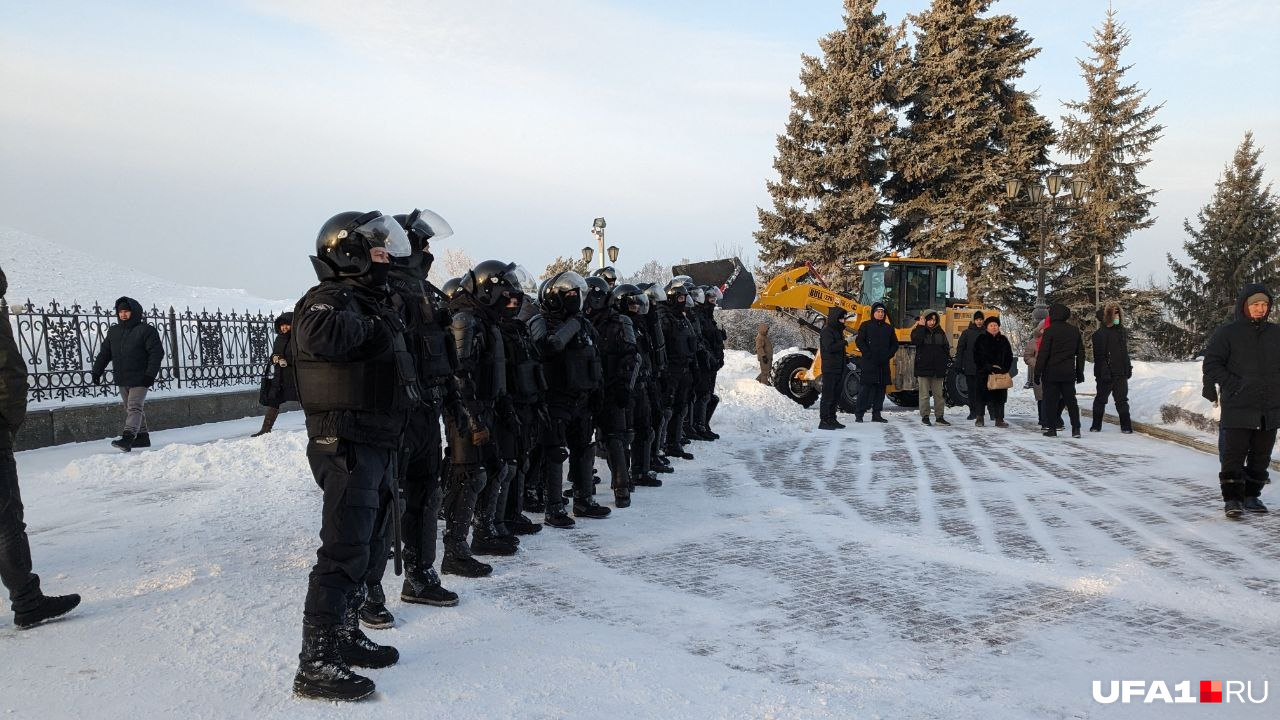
528, 284
430, 225
384, 231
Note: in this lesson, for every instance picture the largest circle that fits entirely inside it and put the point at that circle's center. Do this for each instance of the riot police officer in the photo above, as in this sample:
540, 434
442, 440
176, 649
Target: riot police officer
522, 411
659, 401
682, 344
705, 399
427, 322
609, 275
356, 381
571, 364
620, 358
480, 379
634, 303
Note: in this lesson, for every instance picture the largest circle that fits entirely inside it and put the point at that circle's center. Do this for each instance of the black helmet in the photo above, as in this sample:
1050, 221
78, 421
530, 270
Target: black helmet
345, 241
489, 281
627, 298
451, 287
714, 295
562, 294
421, 226
656, 294
699, 295
609, 274
676, 288
597, 294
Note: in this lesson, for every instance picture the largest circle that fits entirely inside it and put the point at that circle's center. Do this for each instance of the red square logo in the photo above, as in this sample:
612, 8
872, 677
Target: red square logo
1210, 691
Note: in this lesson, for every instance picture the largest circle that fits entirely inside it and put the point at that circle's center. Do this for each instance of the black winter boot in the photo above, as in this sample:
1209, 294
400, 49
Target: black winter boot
459, 561
355, 648
125, 443
422, 587
142, 440
558, 518
648, 479
522, 525
50, 607
589, 508
1233, 491
1252, 503
373, 611
322, 674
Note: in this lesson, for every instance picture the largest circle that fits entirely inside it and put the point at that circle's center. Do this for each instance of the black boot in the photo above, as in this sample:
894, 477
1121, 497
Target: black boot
646, 480
558, 518
459, 561
1251, 501
125, 443
50, 607
142, 440
322, 674
373, 611
422, 587
355, 648
522, 525
589, 508
1232, 494
677, 451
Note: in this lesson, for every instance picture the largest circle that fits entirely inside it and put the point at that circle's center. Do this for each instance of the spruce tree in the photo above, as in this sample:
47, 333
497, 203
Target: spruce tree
560, 264
828, 208
1109, 137
1236, 242
969, 128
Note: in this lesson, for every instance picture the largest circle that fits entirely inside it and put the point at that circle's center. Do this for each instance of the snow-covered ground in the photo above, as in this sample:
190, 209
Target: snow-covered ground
883, 571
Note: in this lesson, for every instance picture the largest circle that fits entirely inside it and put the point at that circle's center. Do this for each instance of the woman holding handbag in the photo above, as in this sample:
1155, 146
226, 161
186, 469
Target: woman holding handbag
278, 386
993, 356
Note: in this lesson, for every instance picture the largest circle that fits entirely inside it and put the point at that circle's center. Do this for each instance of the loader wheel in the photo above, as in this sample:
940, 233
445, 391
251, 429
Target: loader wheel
848, 400
906, 398
955, 389
787, 379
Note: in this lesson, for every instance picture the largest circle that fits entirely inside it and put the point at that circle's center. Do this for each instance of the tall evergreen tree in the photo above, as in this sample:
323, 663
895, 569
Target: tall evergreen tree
1109, 137
828, 208
1237, 242
953, 156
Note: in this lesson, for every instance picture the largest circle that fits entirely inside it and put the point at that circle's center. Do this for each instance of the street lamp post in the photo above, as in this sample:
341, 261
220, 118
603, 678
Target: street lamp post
1045, 199
597, 229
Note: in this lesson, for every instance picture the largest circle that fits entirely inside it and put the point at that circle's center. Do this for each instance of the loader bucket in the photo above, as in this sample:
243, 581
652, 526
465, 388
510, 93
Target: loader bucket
729, 275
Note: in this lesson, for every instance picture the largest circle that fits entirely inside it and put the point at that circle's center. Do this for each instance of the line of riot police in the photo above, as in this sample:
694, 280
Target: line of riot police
526, 380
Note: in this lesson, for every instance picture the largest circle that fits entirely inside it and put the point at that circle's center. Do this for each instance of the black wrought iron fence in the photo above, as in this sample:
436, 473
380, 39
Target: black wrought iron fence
201, 349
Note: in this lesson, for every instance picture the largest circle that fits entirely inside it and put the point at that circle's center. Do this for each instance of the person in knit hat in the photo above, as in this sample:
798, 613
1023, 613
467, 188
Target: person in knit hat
878, 343
964, 358
992, 354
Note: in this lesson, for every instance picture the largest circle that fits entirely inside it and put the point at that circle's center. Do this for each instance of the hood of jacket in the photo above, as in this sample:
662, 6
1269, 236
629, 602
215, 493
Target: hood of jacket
835, 314
134, 306
1109, 315
931, 314
1059, 313
283, 319
1245, 292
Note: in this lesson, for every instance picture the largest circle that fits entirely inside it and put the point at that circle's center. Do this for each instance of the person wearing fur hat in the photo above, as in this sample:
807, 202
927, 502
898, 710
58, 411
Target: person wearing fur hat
279, 386
1111, 368
1059, 366
1243, 360
933, 355
878, 343
992, 354
964, 358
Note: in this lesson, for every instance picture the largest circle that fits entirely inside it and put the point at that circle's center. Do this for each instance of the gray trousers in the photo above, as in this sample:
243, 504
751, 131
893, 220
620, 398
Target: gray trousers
135, 421
931, 386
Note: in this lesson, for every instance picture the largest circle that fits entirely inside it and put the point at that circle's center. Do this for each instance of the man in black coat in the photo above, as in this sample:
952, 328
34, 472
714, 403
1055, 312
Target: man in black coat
933, 356
1111, 368
968, 368
357, 383
279, 387
831, 347
134, 351
30, 606
1059, 366
1243, 359
878, 343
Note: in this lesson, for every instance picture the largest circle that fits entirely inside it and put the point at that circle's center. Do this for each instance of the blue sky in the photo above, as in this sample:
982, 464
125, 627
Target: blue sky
208, 141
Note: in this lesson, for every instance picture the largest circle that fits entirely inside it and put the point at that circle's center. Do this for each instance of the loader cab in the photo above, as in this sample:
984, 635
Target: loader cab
907, 287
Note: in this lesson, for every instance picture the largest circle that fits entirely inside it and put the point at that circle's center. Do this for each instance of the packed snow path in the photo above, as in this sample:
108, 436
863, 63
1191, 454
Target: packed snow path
894, 571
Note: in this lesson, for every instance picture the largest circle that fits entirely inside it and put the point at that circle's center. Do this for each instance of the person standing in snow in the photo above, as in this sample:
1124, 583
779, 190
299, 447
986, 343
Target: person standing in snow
992, 354
831, 347
279, 387
1243, 360
933, 356
134, 351
764, 354
878, 343
1111, 368
964, 357
1059, 366
357, 384
30, 606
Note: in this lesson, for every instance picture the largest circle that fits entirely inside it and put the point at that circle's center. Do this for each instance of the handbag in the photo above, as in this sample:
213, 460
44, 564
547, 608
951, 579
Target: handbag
271, 392
999, 381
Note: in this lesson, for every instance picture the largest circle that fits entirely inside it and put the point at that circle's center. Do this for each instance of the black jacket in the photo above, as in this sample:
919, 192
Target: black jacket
13, 387
933, 352
1061, 355
132, 348
831, 343
713, 336
1111, 353
878, 343
964, 349
1243, 358
992, 354
345, 337
285, 389
619, 354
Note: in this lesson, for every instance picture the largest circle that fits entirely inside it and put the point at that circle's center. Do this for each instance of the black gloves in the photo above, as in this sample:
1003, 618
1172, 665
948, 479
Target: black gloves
1080, 377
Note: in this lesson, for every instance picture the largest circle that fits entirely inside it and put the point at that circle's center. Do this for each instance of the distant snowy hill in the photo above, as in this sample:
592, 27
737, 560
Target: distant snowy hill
40, 270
